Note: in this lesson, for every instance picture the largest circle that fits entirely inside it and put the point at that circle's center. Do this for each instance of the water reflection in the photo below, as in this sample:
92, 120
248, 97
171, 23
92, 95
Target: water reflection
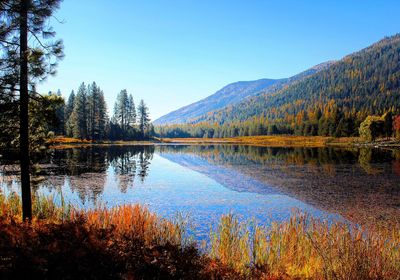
360, 184
85, 170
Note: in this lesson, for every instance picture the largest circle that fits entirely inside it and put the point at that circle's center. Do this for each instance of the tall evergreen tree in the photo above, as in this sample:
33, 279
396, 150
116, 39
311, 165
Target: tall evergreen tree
102, 117
69, 107
143, 117
97, 112
22, 64
131, 111
92, 110
79, 114
121, 109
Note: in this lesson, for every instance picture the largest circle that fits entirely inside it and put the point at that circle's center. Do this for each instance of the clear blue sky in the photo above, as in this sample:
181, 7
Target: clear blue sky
172, 53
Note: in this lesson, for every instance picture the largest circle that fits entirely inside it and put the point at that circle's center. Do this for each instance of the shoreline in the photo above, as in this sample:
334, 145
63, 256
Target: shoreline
290, 141
129, 241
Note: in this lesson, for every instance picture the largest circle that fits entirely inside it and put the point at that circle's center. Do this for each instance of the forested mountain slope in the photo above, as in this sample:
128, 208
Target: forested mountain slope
332, 101
228, 95
231, 95
366, 82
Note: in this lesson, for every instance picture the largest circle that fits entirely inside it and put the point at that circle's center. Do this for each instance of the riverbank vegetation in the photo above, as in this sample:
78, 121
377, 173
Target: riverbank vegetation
130, 242
84, 116
83, 119
369, 128
288, 141
275, 141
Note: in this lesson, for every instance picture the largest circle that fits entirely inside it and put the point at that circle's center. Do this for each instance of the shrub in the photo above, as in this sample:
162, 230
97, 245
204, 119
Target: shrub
371, 128
396, 126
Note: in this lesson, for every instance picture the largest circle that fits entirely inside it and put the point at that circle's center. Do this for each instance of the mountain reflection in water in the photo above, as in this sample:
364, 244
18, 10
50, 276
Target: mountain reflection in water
361, 185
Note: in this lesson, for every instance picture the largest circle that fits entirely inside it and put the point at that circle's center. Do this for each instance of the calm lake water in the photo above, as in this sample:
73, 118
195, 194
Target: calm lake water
205, 181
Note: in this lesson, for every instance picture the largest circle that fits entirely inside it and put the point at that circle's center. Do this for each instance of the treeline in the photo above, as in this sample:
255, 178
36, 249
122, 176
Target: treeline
369, 128
380, 126
332, 102
85, 116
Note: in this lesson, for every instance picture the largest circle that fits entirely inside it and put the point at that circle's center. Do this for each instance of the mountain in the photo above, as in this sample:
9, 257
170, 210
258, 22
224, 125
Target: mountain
231, 95
228, 95
331, 99
363, 83
227, 176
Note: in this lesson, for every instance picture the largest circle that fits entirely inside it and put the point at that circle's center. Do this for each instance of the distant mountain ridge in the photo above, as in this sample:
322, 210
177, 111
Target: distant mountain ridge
330, 99
362, 83
230, 95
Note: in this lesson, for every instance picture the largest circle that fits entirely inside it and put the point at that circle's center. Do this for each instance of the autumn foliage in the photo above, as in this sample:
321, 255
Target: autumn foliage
129, 242
396, 126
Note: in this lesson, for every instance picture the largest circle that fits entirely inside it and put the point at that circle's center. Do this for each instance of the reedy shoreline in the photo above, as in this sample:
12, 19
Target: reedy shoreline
130, 242
290, 141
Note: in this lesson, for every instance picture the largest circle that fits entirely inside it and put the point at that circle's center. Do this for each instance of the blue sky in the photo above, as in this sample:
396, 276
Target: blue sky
172, 53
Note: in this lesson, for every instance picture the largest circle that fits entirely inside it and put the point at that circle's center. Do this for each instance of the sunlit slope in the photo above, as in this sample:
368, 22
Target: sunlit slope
230, 95
363, 83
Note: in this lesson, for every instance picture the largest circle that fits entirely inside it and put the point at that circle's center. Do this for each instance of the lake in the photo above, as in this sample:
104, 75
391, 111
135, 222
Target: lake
202, 182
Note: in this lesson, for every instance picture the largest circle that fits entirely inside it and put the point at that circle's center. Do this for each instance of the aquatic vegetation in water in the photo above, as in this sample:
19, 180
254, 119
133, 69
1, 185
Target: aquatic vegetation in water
307, 248
130, 241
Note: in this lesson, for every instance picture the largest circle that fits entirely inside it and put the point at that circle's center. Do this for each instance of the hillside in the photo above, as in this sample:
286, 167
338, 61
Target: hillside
332, 101
230, 95
366, 81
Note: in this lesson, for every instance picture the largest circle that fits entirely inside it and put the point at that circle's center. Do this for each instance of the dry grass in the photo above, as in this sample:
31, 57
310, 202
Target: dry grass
61, 142
287, 141
265, 141
306, 248
67, 140
126, 242
123, 219
130, 242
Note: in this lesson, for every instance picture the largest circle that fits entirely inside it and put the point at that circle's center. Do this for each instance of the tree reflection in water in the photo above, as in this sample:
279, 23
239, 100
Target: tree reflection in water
84, 170
129, 162
360, 184
332, 179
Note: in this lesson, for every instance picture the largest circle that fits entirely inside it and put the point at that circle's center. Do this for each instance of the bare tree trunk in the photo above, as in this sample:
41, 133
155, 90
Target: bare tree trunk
24, 102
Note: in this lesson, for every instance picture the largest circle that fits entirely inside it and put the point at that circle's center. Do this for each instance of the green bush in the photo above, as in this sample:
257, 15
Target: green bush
371, 128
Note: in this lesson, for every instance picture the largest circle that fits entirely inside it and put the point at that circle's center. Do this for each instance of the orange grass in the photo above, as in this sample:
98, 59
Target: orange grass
267, 141
133, 219
67, 140
130, 242
286, 141
307, 248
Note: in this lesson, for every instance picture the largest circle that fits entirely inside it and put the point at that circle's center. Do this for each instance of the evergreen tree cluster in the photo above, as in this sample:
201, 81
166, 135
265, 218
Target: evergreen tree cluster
331, 102
85, 116
86, 113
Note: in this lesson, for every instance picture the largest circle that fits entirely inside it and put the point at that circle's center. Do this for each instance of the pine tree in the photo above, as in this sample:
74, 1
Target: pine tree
102, 117
131, 111
23, 62
121, 109
67, 114
79, 114
93, 110
144, 120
